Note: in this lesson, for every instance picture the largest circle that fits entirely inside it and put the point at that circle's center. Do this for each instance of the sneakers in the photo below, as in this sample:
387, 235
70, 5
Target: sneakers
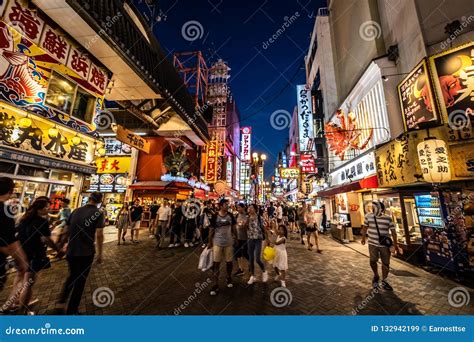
171, 245
386, 286
229, 282
265, 276
186, 245
214, 290
251, 280
238, 273
283, 283
375, 282
203, 245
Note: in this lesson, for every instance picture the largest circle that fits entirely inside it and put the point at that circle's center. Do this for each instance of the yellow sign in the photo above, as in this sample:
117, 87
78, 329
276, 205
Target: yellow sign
290, 173
130, 138
113, 164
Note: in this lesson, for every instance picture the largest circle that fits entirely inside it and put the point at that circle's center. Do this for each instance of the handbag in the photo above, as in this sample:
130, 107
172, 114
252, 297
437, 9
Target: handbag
384, 240
206, 259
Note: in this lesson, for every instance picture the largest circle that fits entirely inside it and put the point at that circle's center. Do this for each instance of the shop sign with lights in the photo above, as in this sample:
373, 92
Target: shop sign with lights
434, 160
307, 163
212, 158
128, 137
107, 182
113, 164
305, 117
245, 143
290, 173
34, 134
453, 74
114, 147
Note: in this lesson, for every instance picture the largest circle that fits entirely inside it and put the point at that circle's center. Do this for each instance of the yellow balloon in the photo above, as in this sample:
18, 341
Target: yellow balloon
268, 253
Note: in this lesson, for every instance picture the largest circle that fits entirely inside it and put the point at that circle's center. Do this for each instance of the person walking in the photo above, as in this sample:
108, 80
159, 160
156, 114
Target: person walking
153, 215
84, 228
301, 220
279, 213
241, 252
377, 227
190, 226
292, 219
221, 240
63, 216
9, 244
164, 220
136, 213
177, 223
324, 219
34, 235
311, 230
280, 262
206, 217
123, 222
256, 233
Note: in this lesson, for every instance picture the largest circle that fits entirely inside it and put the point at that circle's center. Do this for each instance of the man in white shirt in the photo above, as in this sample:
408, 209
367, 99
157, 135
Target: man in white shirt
163, 222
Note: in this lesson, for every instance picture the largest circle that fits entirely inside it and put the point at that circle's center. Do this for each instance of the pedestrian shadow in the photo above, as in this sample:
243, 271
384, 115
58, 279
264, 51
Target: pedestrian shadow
380, 302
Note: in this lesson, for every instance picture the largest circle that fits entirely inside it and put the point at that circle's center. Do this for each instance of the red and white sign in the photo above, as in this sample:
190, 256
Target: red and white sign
211, 162
307, 163
245, 143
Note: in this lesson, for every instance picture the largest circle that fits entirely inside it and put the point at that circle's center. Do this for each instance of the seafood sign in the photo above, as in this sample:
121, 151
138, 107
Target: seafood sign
347, 135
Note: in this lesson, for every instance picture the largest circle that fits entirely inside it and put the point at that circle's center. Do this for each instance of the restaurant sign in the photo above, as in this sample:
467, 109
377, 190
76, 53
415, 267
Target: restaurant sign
107, 182
245, 143
128, 137
357, 169
113, 165
416, 98
307, 163
305, 118
290, 172
211, 161
397, 162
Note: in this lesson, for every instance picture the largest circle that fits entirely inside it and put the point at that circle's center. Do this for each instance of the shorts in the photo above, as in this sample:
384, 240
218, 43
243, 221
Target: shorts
311, 228
241, 251
223, 252
383, 253
302, 227
135, 225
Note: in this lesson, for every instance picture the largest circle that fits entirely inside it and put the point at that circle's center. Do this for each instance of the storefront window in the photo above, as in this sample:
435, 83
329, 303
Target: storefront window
394, 209
24, 170
60, 93
18, 189
34, 190
61, 175
84, 105
412, 220
7, 167
58, 192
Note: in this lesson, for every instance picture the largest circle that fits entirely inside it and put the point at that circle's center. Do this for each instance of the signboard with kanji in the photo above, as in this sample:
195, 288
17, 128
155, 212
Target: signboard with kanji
245, 143
113, 164
211, 161
290, 173
307, 163
128, 137
305, 118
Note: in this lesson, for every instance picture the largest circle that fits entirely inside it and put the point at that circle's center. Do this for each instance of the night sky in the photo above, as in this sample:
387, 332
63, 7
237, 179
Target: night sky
264, 74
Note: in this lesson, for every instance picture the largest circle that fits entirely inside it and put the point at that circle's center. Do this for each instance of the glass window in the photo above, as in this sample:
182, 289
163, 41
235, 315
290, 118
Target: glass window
61, 175
24, 170
60, 93
84, 105
412, 220
7, 167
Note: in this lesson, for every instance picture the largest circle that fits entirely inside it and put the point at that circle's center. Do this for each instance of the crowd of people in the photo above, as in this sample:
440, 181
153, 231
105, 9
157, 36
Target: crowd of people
235, 233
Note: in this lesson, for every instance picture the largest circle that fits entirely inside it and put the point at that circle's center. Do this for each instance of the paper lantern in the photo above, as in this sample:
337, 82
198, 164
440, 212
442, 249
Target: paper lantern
53, 132
76, 140
25, 122
434, 160
101, 151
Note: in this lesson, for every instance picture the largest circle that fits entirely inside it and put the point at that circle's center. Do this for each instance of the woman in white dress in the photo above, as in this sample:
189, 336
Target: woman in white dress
280, 262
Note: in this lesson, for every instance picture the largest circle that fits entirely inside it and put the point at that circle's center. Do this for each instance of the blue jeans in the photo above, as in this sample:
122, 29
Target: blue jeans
255, 251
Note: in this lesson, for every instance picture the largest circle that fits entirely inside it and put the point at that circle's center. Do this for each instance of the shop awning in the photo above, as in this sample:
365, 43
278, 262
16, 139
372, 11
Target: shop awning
366, 183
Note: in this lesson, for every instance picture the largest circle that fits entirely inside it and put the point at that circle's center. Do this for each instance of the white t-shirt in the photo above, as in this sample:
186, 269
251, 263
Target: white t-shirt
279, 213
164, 213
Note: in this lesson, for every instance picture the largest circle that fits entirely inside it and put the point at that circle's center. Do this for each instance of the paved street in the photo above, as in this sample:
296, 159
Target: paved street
143, 280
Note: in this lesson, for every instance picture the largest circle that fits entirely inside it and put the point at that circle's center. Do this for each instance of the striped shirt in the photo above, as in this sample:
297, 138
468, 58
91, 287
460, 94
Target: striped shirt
385, 224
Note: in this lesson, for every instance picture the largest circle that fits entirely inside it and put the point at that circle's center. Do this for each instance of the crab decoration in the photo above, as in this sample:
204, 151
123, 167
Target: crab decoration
347, 135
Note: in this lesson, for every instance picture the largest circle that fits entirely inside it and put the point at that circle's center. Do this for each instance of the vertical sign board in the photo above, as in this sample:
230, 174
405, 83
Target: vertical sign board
211, 161
245, 143
305, 118
307, 163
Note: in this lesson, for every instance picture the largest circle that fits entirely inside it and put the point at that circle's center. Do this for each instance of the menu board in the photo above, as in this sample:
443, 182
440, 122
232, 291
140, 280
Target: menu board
107, 182
416, 98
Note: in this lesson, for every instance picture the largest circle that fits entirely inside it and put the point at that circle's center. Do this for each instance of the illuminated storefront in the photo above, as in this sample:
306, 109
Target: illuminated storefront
51, 92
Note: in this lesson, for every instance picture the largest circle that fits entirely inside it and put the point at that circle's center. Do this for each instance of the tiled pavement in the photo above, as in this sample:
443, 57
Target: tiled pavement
336, 282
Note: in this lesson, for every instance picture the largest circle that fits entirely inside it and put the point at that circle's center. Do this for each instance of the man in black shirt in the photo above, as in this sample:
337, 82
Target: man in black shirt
153, 214
9, 245
84, 225
136, 212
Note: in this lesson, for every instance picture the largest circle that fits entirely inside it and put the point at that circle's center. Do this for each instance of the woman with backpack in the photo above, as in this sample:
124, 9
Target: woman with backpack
256, 233
34, 235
